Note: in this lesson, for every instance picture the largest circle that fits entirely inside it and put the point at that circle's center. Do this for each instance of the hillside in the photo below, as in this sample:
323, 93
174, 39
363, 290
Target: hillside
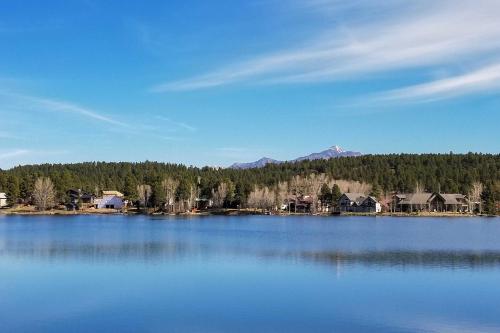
454, 173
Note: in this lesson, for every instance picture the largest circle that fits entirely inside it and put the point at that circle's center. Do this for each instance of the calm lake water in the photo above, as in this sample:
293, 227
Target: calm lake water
249, 274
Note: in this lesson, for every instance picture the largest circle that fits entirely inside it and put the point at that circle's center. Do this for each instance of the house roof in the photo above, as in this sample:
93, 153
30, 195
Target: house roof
372, 198
3, 196
452, 198
118, 194
355, 197
416, 198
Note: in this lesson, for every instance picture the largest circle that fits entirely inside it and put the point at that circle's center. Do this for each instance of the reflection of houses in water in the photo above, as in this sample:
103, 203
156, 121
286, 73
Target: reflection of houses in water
102, 250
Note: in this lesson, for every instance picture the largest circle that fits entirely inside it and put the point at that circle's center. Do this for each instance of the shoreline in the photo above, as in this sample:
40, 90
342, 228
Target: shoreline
222, 212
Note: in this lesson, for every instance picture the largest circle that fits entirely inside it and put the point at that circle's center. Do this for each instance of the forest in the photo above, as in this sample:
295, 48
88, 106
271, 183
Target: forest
378, 174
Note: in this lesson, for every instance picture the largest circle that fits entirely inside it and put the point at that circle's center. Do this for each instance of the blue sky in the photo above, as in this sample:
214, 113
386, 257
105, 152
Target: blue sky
215, 82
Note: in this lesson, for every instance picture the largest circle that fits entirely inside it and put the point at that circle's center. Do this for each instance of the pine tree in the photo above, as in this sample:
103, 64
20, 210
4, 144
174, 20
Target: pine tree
488, 198
376, 191
325, 194
336, 194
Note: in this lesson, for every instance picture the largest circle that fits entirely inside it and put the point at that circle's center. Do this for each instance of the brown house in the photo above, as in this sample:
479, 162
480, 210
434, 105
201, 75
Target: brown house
300, 204
411, 202
449, 202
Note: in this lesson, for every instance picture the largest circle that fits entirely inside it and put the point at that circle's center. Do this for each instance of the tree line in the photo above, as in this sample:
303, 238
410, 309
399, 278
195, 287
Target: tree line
172, 185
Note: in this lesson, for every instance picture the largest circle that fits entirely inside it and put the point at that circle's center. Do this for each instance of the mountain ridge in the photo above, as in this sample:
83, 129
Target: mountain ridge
332, 152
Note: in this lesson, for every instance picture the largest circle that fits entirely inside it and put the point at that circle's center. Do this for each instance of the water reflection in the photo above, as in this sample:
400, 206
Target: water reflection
258, 274
157, 251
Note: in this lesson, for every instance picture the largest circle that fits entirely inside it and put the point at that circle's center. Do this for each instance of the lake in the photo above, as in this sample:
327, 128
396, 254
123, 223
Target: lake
249, 274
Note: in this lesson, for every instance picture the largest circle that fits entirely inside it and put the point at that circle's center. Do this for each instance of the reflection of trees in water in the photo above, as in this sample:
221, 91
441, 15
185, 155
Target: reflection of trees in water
169, 251
434, 258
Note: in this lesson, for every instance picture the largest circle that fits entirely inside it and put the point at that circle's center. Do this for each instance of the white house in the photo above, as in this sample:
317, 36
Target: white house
110, 199
3, 199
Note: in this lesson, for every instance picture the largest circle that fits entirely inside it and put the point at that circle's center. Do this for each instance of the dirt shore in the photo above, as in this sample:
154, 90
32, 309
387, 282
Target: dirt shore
30, 210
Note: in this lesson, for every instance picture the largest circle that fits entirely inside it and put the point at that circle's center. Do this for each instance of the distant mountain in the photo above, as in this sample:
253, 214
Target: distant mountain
257, 164
331, 152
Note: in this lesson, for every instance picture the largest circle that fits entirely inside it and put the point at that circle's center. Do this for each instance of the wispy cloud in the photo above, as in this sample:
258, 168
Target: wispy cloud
413, 36
178, 124
54, 105
32, 103
484, 79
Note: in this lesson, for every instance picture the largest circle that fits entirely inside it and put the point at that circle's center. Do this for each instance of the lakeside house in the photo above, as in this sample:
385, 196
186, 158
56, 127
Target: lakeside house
449, 202
358, 203
370, 205
348, 202
411, 202
429, 202
3, 199
110, 200
203, 204
299, 204
78, 199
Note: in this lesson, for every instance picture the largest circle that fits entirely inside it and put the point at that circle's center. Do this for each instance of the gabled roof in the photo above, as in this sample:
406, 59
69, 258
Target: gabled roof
416, 198
369, 198
3, 195
355, 197
452, 198
118, 194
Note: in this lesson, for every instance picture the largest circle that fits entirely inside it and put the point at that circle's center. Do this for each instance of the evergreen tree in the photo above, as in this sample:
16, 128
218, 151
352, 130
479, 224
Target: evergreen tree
336, 194
488, 198
12, 189
130, 189
157, 197
376, 191
325, 194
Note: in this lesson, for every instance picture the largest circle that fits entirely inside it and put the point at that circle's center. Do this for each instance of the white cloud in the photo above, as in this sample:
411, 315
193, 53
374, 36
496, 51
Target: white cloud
178, 124
34, 102
410, 36
484, 79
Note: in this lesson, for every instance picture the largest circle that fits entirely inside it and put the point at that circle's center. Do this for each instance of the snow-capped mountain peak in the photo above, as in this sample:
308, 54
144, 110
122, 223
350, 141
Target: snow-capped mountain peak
332, 152
337, 149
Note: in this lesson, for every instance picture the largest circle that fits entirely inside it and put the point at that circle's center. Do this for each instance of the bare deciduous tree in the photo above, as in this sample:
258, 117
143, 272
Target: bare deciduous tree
193, 194
281, 194
144, 193
169, 187
419, 188
262, 198
475, 195
219, 195
43, 193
